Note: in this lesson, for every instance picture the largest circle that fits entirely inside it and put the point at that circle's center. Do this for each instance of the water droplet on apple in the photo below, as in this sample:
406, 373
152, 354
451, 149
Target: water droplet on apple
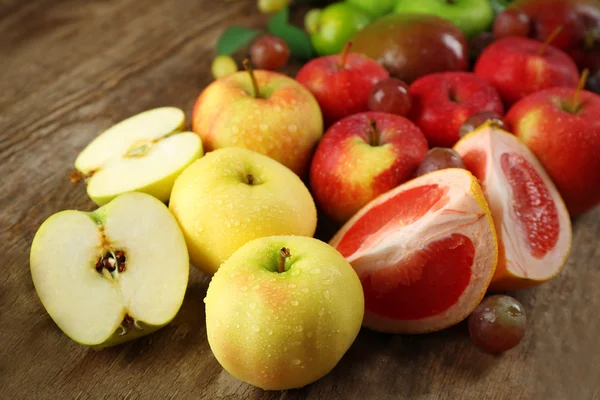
255, 328
243, 225
237, 325
235, 129
326, 294
298, 328
321, 312
296, 361
328, 281
228, 224
315, 271
292, 128
269, 332
294, 302
256, 287
258, 227
219, 201
304, 290
264, 127
292, 285
217, 323
277, 109
230, 206
295, 272
253, 305
309, 334
244, 288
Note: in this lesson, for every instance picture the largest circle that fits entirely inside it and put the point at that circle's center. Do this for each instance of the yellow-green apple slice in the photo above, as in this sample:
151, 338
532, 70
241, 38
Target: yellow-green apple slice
112, 275
144, 153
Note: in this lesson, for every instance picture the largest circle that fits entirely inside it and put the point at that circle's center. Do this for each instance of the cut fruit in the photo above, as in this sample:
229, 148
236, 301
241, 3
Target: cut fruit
425, 252
534, 229
112, 275
144, 153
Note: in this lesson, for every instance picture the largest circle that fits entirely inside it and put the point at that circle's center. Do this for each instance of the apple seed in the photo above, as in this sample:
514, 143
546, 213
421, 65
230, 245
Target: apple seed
111, 262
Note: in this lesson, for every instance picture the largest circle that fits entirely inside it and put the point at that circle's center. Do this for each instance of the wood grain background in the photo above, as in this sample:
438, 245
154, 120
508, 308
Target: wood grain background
68, 70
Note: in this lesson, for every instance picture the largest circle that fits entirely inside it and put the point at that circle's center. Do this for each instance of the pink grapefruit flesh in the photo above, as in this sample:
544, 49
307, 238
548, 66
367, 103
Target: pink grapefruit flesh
425, 252
534, 229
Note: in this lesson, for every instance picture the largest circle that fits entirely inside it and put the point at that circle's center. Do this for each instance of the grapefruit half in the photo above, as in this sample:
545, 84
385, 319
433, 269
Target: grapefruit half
425, 252
533, 225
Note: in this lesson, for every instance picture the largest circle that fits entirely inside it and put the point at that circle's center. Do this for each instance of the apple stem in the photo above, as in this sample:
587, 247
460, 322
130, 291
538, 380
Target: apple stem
575, 99
250, 70
549, 39
284, 254
76, 177
344, 55
373, 134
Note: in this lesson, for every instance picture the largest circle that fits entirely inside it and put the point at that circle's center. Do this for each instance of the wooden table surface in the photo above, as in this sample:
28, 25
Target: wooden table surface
68, 70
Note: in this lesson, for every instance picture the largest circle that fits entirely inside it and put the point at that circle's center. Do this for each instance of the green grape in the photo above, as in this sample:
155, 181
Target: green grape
222, 66
271, 6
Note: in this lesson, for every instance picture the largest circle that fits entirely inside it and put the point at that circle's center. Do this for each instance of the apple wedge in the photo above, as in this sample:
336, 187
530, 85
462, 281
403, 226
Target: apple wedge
144, 153
111, 275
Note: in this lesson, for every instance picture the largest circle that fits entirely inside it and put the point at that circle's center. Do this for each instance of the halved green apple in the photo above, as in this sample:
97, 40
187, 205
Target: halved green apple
112, 275
144, 153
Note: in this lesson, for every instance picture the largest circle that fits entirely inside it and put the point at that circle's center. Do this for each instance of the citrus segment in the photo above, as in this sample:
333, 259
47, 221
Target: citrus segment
533, 205
427, 283
534, 229
404, 208
425, 252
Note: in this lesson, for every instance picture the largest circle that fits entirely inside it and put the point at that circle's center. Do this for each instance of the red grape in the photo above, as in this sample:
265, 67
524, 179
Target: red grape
512, 22
439, 158
593, 83
269, 52
390, 95
476, 120
497, 324
478, 44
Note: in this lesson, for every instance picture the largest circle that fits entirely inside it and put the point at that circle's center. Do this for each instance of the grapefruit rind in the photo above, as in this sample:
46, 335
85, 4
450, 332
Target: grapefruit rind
466, 213
516, 269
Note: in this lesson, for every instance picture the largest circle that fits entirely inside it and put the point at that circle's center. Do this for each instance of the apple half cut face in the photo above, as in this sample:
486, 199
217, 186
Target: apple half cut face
112, 275
144, 153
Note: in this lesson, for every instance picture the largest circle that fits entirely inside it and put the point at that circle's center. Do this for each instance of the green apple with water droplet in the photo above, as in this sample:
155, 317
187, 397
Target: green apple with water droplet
282, 311
111, 275
143, 153
260, 110
234, 195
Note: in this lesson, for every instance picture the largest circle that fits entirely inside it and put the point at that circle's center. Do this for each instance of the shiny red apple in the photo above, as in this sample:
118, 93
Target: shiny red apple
341, 83
361, 157
518, 66
442, 102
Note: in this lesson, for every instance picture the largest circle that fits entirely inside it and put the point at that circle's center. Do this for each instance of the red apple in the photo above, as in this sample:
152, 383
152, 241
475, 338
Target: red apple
547, 15
341, 83
519, 66
361, 157
442, 102
563, 130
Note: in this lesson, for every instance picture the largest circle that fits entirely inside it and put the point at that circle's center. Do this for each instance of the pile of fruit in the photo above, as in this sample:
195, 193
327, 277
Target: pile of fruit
449, 143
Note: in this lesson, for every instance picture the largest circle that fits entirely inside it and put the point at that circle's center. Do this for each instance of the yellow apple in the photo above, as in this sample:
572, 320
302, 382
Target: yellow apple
234, 195
282, 311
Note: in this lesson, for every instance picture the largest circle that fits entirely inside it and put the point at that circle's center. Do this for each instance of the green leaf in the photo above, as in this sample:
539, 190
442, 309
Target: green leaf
234, 38
297, 40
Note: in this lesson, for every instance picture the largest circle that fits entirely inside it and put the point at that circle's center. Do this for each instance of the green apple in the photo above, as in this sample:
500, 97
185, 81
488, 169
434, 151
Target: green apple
375, 8
471, 16
337, 23
264, 111
111, 275
144, 153
282, 311
234, 195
